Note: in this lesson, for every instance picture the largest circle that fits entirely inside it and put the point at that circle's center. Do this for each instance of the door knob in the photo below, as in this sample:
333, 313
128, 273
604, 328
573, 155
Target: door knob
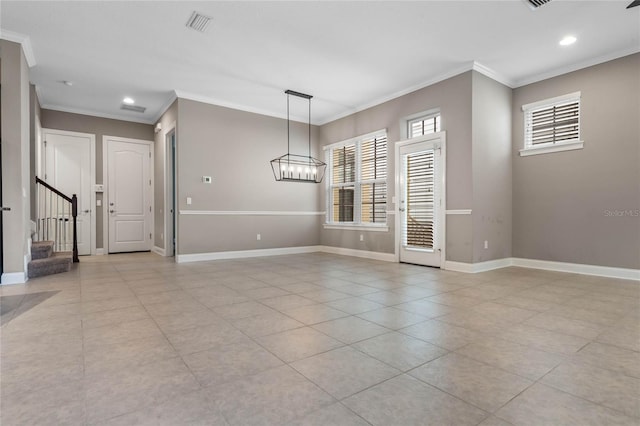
86, 211
5, 209
112, 211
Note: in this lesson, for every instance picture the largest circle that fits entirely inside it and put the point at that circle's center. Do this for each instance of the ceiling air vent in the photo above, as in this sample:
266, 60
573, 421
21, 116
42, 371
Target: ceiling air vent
133, 108
198, 22
534, 4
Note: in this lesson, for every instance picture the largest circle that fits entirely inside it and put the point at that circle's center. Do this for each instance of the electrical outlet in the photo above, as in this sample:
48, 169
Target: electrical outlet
486, 244
361, 237
258, 237
207, 179
188, 201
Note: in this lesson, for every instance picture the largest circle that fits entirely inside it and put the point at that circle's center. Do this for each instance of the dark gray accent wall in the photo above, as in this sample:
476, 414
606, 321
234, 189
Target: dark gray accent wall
582, 206
100, 127
453, 97
235, 147
491, 103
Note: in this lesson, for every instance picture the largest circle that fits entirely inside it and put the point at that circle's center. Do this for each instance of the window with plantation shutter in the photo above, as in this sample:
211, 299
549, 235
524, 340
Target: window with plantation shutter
357, 189
552, 125
423, 125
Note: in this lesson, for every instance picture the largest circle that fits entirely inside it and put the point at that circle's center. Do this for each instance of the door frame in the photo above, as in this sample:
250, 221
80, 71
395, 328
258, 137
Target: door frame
105, 181
170, 188
442, 217
40, 160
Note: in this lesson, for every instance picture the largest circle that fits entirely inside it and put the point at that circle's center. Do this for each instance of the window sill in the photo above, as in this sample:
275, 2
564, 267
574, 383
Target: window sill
356, 227
552, 148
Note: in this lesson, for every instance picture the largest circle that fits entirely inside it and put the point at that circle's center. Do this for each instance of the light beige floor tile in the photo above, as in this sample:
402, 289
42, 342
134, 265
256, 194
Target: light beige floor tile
204, 338
455, 301
627, 338
114, 316
298, 343
290, 301
392, 318
174, 307
400, 351
119, 333
332, 415
479, 384
264, 292
243, 310
440, 333
273, 397
59, 404
542, 405
350, 329
389, 298
526, 303
263, 325
604, 387
344, 371
173, 296
544, 339
187, 319
613, 358
512, 357
324, 295
427, 308
404, 401
189, 409
355, 305
494, 421
109, 304
230, 362
131, 389
313, 314
104, 359
596, 317
569, 326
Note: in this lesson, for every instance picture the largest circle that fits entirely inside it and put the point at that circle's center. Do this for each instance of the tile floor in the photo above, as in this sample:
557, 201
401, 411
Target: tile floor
317, 339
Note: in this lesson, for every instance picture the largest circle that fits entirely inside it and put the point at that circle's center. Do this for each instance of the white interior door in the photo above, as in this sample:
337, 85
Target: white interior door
420, 205
129, 196
68, 167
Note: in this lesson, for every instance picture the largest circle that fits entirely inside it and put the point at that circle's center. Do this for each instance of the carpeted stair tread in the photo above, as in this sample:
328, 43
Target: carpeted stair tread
55, 264
41, 250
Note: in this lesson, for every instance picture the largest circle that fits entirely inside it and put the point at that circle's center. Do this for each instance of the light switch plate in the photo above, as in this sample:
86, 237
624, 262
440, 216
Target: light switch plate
188, 200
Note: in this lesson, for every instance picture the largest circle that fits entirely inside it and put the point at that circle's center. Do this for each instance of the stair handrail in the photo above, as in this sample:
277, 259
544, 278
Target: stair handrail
74, 213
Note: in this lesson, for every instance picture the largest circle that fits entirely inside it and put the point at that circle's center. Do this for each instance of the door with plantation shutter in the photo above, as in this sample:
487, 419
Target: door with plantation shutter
421, 188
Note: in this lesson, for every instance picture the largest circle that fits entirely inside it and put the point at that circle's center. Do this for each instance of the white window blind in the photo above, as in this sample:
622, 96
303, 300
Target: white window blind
423, 125
358, 185
554, 121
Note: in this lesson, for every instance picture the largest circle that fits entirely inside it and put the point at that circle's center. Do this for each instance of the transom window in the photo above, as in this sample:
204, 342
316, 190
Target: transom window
357, 188
552, 125
423, 125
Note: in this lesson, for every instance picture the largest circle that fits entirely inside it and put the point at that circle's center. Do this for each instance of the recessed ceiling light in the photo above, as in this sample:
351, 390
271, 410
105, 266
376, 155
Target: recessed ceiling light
568, 40
128, 101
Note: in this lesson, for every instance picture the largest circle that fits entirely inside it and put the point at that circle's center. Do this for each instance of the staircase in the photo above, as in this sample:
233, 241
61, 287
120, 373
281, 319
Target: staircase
44, 261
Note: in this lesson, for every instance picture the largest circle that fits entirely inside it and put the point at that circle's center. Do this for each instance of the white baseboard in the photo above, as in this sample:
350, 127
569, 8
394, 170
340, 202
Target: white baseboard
159, 250
547, 265
99, 252
9, 278
474, 268
388, 257
578, 268
240, 254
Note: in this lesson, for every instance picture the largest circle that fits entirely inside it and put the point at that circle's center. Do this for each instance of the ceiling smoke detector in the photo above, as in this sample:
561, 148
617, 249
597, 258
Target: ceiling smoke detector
534, 4
134, 108
198, 22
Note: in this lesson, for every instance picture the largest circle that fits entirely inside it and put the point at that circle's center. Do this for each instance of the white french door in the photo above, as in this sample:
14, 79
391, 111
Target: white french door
129, 195
420, 199
68, 166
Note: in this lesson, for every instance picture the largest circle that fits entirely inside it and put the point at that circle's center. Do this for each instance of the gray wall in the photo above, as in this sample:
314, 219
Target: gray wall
100, 127
14, 77
491, 104
560, 200
167, 120
235, 147
34, 116
453, 97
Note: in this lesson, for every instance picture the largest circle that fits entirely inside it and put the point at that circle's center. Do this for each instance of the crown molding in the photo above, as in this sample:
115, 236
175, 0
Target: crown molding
577, 66
81, 111
492, 74
24, 41
166, 105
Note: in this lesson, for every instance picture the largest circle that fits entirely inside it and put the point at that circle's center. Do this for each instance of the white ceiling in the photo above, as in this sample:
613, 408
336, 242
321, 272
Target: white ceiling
349, 55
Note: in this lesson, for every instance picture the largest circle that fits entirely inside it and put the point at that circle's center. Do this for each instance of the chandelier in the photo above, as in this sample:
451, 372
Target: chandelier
298, 168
